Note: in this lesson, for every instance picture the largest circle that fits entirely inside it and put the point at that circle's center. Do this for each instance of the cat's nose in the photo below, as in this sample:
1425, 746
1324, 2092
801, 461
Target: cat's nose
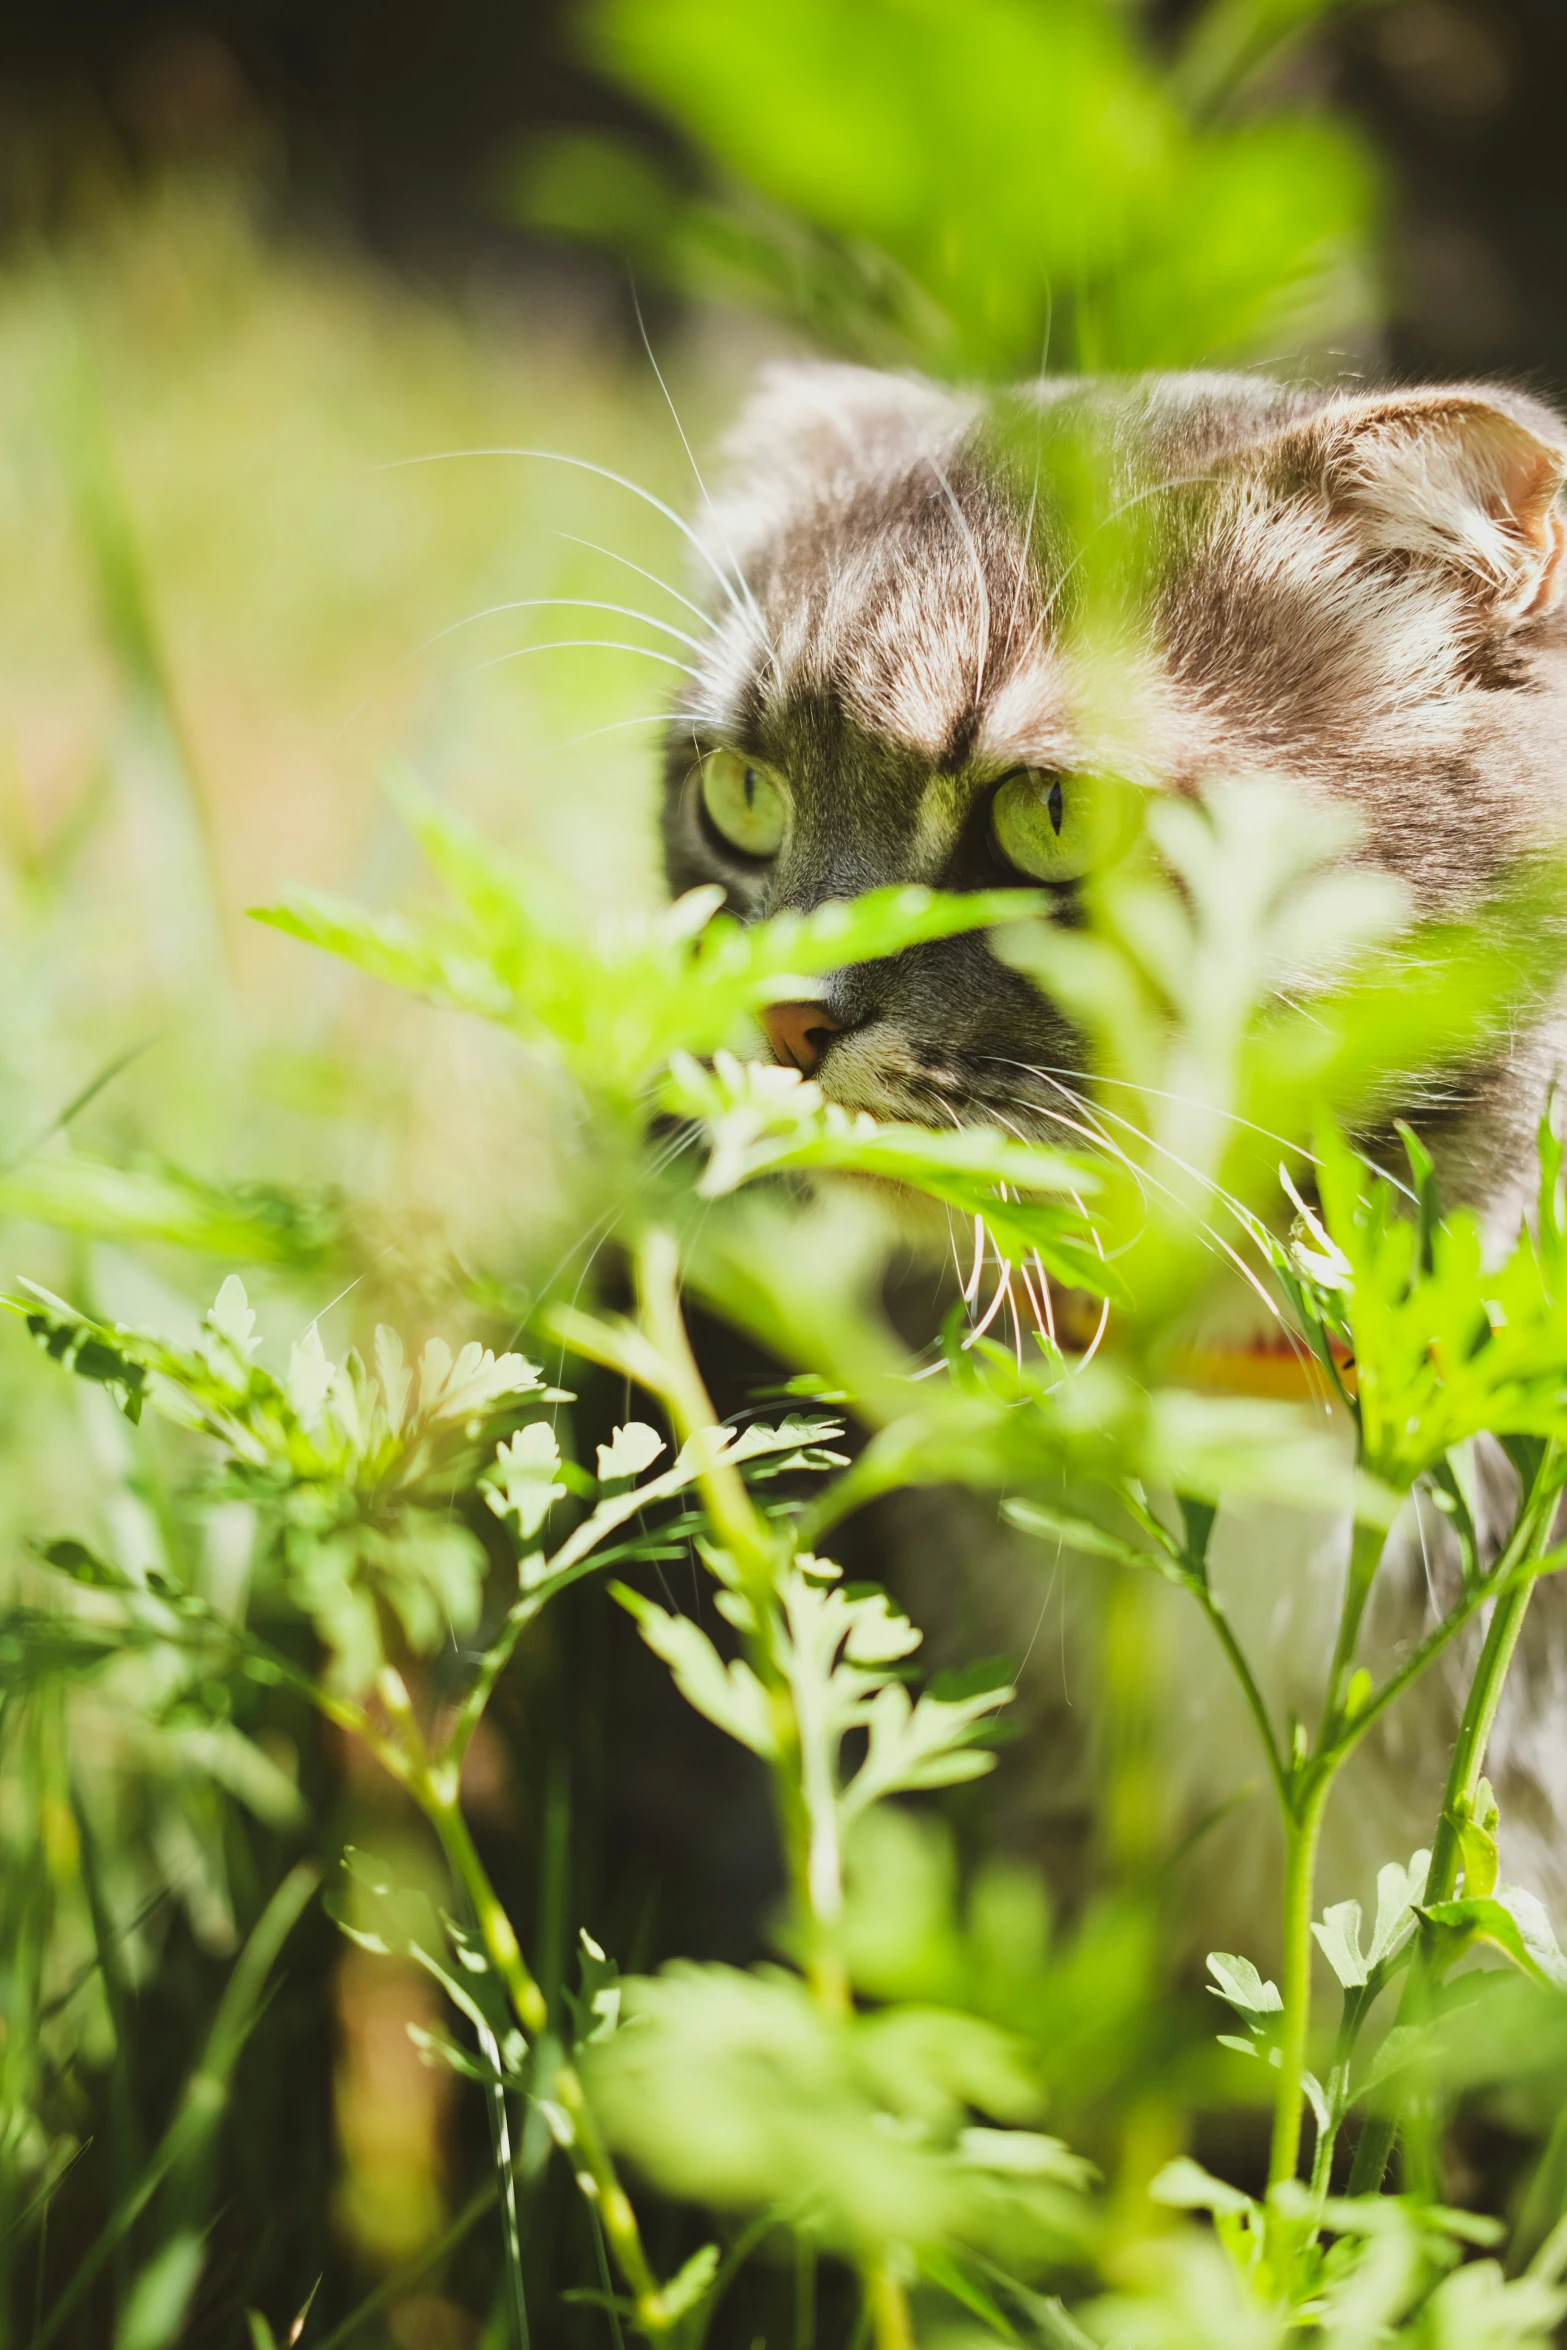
798, 1033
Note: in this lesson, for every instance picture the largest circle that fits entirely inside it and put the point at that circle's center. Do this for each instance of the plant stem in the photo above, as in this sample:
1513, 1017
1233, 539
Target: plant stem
1526, 1546
591, 2159
494, 1925
1300, 1869
742, 1528
754, 1548
1224, 1632
888, 2304
1365, 1555
1474, 1732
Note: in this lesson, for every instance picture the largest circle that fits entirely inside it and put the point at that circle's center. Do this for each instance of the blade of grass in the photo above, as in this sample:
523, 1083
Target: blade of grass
420, 2266
125, 2148
205, 2095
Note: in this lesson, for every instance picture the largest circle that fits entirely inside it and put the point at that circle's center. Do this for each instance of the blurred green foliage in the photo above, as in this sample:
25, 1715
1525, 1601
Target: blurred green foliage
990, 187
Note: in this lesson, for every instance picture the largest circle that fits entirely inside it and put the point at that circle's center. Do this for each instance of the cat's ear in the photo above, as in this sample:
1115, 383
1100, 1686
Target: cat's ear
1455, 476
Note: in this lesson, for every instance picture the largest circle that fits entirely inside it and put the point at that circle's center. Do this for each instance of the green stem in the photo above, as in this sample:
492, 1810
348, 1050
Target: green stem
591, 2159
1213, 1608
888, 2305
753, 1546
740, 1525
1525, 1549
758, 1557
597, 2177
1503, 1580
1300, 1870
494, 1925
1474, 1733
1365, 1556
1306, 1801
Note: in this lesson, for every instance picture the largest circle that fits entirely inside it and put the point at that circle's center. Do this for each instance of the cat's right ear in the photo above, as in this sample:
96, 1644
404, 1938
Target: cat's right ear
1458, 478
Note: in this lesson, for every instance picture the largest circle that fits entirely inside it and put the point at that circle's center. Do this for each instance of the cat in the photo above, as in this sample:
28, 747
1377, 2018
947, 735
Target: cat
1361, 591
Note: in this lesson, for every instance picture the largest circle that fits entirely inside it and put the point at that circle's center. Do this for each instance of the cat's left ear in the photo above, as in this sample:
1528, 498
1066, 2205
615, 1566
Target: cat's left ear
1455, 476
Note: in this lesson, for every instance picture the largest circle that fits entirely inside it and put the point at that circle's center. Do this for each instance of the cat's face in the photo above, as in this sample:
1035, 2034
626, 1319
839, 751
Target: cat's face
1354, 592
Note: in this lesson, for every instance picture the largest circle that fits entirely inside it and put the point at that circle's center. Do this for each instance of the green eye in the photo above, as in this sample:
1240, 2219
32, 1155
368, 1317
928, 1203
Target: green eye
1059, 827
746, 802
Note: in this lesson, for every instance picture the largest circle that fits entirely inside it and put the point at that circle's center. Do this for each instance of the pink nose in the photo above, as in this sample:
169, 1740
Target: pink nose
798, 1033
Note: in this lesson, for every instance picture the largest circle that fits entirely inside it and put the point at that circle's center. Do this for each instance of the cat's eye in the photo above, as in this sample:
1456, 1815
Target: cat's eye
745, 803
1058, 827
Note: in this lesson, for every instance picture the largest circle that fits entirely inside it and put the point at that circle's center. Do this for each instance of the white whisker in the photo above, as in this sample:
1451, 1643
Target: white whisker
977, 1274
581, 644
626, 563
558, 604
658, 374
1003, 1290
604, 473
618, 725
1243, 1215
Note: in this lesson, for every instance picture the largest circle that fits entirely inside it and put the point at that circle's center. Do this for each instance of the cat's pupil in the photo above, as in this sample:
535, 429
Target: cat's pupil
750, 788
1054, 804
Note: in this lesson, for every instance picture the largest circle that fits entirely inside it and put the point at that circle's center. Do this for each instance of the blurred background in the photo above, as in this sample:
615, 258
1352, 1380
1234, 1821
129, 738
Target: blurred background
269, 272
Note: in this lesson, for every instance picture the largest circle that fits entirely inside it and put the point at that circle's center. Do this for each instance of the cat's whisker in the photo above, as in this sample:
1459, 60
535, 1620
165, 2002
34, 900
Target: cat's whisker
658, 376
1046, 1316
582, 644
604, 473
969, 1289
1049, 1301
977, 1271
652, 577
558, 604
1095, 1343
1155, 1092
1086, 1126
1003, 1291
1044, 1319
618, 725
1281, 1142
1210, 1232
1237, 1208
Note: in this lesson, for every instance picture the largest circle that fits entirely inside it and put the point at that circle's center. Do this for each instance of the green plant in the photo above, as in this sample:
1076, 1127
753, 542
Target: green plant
896, 2133
988, 188
943, 2109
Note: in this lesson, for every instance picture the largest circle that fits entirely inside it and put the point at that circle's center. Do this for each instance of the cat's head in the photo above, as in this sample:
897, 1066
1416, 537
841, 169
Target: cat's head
1355, 591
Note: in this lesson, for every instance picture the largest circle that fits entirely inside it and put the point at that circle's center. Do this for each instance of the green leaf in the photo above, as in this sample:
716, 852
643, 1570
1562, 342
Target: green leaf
730, 1695
690, 2284
155, 2310
523, 1484
1077, 1533
629, 1451
737, 2091
70, 1557
595, 2007
254, 1223
1514, 1921
1185, 2186
1239, 1982
1338, 1934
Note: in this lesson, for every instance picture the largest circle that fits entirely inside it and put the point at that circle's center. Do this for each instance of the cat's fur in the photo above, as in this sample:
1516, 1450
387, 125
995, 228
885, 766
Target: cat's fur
1358, 591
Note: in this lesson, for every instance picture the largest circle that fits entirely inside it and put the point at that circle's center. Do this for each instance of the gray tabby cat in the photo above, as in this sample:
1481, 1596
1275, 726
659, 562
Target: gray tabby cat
1359, 591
